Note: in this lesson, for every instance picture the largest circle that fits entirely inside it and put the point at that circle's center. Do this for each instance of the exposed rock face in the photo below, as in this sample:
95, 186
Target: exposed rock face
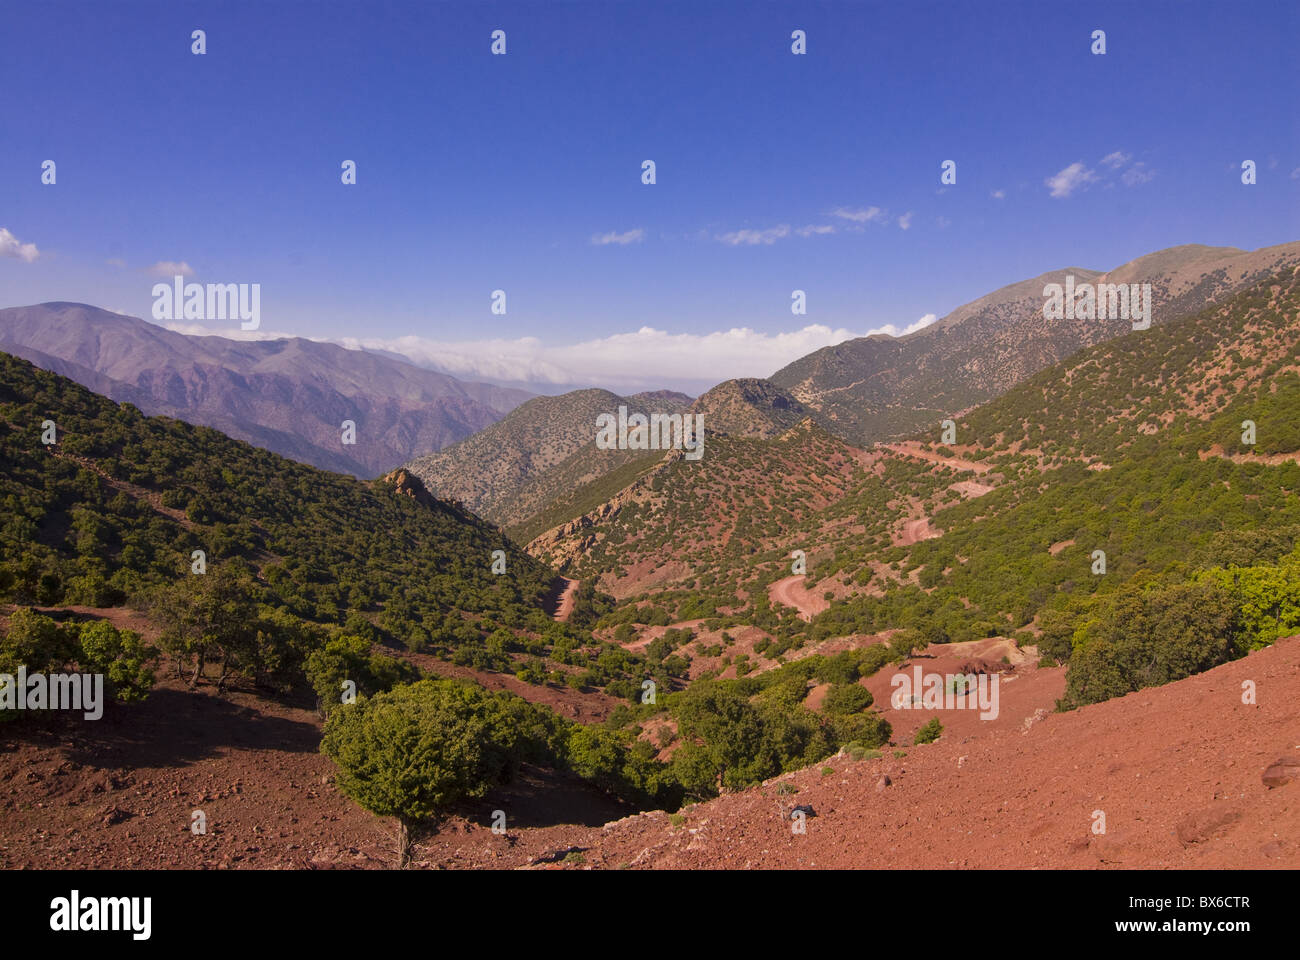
408, 484
981, 665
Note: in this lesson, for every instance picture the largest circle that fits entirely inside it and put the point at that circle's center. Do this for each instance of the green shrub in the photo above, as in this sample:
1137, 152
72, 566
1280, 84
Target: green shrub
929, 733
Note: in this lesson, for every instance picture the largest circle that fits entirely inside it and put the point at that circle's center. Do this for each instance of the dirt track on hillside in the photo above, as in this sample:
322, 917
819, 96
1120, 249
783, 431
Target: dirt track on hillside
920, 453
561, 602
794, 592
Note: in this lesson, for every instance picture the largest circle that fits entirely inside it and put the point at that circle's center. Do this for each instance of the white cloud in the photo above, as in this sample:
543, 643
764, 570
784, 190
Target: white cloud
862, 215
1136, 174
893, 331
750, 238
999, 194
1295, 174
905, 221
1070, 179
1117, 159
10, 247
634, 359
622, 239
169, 268
812, 231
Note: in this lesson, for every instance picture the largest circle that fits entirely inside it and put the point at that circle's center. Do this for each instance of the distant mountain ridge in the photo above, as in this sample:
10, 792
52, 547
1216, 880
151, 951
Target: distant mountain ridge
289, 396
539, 451
877, 387
540, 463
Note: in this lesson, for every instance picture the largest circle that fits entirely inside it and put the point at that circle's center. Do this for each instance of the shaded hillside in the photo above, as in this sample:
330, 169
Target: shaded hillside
539, 452
288, 396
878, 387
121, 501
749, 407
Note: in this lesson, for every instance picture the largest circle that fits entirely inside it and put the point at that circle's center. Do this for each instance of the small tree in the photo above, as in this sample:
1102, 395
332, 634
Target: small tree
929, 733
415, 750
121, 656
206, 617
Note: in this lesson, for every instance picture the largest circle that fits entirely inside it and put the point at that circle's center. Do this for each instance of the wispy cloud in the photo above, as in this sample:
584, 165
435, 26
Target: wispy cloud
621, 239
816, 231
11, 247
998, 194
1077, 175
230, 333
1138, 173
894, 331
626, 357
860, 215
115, 262
905, 221
170, 268
1070, 179
751, 238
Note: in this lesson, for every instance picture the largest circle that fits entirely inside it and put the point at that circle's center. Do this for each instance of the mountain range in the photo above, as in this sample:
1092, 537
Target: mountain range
1123, 519
290, 396
538, 469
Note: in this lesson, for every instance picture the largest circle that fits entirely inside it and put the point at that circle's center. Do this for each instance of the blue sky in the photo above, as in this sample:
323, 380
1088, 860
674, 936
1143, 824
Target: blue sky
775, 172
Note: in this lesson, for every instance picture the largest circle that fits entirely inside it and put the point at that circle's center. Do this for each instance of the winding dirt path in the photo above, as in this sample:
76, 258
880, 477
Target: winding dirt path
914, 531
563, 601
956, 463
793, 592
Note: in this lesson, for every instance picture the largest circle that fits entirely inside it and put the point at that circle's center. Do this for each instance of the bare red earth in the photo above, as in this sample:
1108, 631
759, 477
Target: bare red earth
1178, 772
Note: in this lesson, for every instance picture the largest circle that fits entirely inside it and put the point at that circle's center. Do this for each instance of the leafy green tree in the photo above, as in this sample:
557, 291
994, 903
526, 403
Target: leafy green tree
207, 617
1148, 635
35, 641
844, 698
121, 656
345, 658
414, 751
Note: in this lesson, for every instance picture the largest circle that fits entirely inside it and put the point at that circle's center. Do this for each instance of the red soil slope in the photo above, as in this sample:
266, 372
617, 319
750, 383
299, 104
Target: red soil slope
1177, 771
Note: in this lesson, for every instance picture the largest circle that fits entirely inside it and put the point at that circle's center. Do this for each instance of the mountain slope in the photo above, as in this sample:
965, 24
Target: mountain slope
290, 396
535, 454
1018, 795
1131, 447
120, 502
877, 387
749, 407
